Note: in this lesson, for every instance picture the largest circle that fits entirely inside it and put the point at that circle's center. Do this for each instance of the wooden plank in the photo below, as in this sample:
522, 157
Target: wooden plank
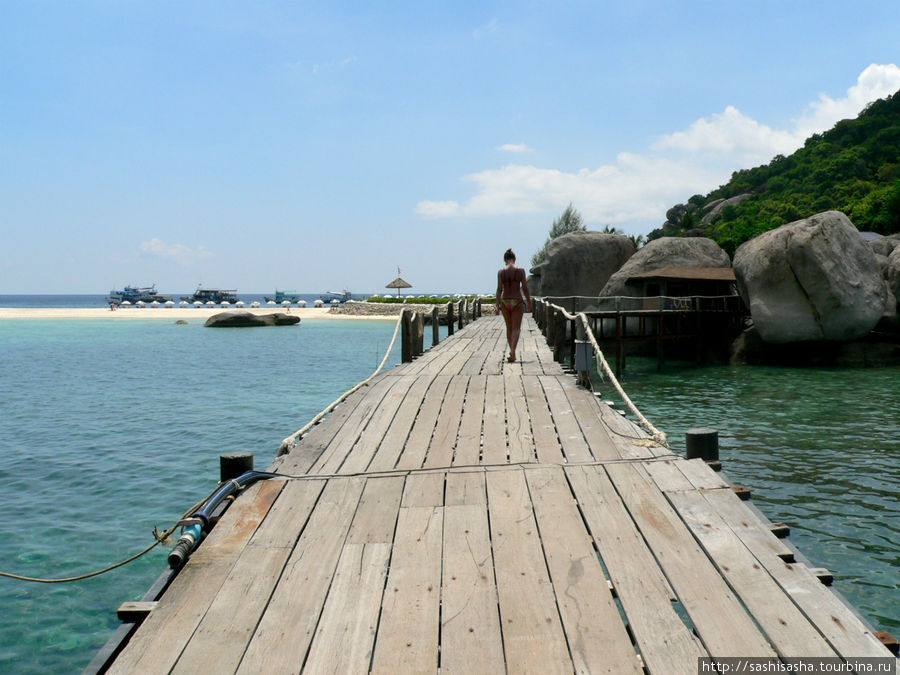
395, 438
475, 364
518, 424
468, 442
666, 644
409, 626
344, 440
424, 489
465, 488
443, 441
471, 639
533, 636
585, 409
455, 365
420, 435
159, 640
594, 629
345, 636
285, 631
574, 446
546, 441
231, 619
837, 623
720, 619
494, 448
776, 614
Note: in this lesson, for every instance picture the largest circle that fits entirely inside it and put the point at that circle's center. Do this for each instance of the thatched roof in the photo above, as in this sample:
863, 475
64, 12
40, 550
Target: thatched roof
399, 283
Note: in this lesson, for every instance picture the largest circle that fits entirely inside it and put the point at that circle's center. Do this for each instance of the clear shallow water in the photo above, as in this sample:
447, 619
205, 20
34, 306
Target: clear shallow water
110, 428
820, 450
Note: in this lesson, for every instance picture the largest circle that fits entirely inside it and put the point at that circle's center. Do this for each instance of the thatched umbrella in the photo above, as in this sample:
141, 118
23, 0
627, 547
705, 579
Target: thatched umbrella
398, 283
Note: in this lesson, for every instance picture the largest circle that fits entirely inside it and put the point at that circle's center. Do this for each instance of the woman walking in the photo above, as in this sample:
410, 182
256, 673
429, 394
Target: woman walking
511, 285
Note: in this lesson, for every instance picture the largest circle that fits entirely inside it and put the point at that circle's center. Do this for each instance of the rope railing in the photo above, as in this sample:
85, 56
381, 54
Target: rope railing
604, 369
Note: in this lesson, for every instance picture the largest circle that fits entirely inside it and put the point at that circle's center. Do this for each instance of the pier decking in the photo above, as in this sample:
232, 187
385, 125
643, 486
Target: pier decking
461, 514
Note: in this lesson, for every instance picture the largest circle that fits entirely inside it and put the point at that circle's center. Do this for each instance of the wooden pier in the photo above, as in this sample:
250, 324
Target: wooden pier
461, 514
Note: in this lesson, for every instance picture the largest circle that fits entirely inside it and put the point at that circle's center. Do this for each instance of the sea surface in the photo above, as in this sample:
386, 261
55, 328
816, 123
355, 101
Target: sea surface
110, 428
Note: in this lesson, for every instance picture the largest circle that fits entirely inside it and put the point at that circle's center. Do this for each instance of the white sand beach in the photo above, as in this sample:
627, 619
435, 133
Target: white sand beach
165, 313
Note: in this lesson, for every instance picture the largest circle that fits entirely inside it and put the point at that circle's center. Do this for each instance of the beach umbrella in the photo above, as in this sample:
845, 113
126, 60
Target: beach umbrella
184, 303
169, 304
239, 303
285, 303
399, 283
197, 303
140, 303
126, 303
225, 303
271, 303
319, 303
210, 304
155, 303
254, 304
301, 303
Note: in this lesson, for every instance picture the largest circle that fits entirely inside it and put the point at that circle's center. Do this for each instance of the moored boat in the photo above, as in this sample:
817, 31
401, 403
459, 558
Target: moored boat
136, 294
281, 296
214, 295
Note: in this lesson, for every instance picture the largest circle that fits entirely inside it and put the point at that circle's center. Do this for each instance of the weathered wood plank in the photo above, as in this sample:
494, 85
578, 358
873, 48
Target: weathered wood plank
518, 423
585, 409
465, 488
494, 450
471, 640
395, 438
159, 641
231, 619
546, 442
408, 631
371, 438
722, 623
574, 446
533, 637
594, 629
783, 623
468, 442
666, 644
344, 440
285, 631
443, 441
420, 436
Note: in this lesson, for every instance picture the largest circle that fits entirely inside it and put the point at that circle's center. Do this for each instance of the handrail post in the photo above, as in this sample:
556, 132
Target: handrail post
450, 319
572, 331
462, 311
435, 326
418, 326
406, 333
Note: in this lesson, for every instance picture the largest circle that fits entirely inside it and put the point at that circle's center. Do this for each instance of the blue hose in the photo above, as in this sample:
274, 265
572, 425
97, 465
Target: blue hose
198, 524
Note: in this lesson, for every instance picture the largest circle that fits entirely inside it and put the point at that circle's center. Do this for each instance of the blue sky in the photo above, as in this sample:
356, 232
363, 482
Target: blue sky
318, 146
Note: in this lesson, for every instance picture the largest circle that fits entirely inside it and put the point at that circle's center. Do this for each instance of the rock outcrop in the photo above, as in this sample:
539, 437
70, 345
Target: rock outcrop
666, 252
243, 318
814, 279
580, 264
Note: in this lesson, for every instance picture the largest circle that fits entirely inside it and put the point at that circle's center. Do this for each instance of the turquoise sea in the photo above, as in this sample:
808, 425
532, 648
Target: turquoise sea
110, 428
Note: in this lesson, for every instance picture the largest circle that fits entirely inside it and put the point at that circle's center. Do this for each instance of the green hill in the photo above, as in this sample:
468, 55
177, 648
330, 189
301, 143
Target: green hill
854, 168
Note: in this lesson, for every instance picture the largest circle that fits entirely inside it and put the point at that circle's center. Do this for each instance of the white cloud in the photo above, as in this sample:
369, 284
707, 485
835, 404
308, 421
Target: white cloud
491, 26
179, 253
514, 147
638, 187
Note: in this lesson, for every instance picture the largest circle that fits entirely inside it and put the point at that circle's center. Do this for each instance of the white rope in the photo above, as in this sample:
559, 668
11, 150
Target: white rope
655, 433
294, 437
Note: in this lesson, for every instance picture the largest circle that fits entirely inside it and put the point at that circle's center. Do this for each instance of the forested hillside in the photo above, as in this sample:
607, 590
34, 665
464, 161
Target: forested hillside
854, 168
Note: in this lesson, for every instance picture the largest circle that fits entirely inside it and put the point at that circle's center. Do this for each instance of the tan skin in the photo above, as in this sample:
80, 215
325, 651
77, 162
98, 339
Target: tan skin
511, 285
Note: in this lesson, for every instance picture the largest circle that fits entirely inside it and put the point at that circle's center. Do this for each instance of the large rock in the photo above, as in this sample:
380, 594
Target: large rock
885, 245
813, 279
713, 209
666, 252
579, 263
243, 318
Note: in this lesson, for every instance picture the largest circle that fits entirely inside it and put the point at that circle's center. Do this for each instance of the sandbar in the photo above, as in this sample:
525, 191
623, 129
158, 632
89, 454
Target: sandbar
166, 313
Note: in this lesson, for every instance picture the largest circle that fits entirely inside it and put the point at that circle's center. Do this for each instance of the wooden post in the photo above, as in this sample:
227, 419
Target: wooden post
418, 334
703, 443
435, 326
462, 312
450, 320
584, 376
550, 329
406, 355
572, 333
620, 346
233, 464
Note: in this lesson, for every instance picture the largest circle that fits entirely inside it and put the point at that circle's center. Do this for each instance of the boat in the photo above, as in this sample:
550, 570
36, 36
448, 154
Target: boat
331, 296
136, 294
214, 295
281, 296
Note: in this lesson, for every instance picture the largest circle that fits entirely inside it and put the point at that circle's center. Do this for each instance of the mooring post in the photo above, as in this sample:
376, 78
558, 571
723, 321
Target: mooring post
435, 326
450, 320
462, 314
418, 334
234, 464
703, 443
406, 349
